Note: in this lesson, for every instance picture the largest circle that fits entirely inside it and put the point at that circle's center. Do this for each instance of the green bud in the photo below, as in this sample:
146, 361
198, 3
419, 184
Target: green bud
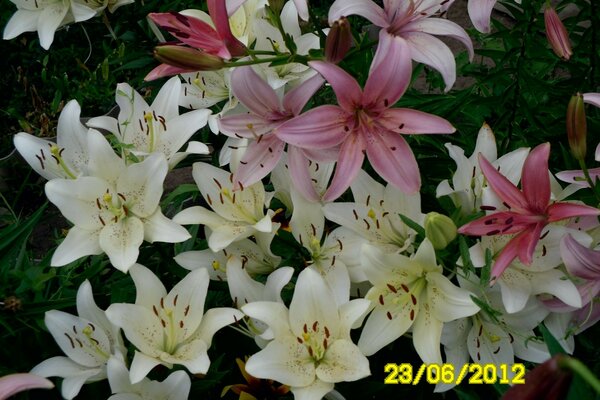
577, 126
188, 58
439, 229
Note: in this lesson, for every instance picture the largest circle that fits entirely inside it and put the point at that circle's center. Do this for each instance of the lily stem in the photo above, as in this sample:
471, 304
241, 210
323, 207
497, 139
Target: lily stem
583, 371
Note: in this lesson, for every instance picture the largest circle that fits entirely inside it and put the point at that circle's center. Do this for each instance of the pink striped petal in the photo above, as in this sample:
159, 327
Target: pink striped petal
407, 121
440, 26
254, 93
392, 158
365, 8
503, 188
247, 126
431, 51
295, 100
218, 13
535, 181
347, 90
512, 249
579, 260
592, 98
260, 158
503, 222
164, 70
320, 128
528, 243
300, 174
480, 12
390, 73
347, 168
563, 210
193, 32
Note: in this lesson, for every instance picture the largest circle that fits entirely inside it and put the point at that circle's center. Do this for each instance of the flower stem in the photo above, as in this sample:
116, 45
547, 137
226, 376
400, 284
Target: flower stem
582, 370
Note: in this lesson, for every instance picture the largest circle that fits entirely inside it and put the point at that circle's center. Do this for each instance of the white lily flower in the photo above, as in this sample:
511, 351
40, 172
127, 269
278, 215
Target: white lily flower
175, 387
497, 340
114, 211
237, 214
519, 282
243, 290
311, 349
468, 182
144, 129
374, 219
46, 16
88, 341
255, 260
68, 157
269, 38
308, 224
204, 89
169, 328
410, 292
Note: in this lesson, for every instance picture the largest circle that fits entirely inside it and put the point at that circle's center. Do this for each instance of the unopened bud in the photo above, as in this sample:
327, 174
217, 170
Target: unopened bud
577, 126
557, 34
547, 381
339, 41
188, 58
439, 229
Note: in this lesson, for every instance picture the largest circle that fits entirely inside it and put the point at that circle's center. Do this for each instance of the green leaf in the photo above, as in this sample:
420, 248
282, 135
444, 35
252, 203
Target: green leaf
554, 346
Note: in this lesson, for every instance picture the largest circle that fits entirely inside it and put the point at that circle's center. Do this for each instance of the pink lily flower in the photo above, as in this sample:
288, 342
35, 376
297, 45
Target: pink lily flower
410, 20
583, 263
17, 383
266, 112
364, 121
529, 209
218, 41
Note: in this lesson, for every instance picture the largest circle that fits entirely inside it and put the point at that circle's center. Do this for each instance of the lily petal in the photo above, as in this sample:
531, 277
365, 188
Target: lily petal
253, 92
349, 163
480, 12
346, 88
431, 51
391, 70
393, 159
306, 130
365, 8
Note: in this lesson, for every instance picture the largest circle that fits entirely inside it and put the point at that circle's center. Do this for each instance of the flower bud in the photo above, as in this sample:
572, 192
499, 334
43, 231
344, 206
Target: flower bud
439, 229
188, 58
576, 126
339, 41
557, 34
547, 381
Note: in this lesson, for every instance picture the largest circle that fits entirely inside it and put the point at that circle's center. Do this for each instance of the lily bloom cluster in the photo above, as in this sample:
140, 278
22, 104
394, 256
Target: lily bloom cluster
372, 261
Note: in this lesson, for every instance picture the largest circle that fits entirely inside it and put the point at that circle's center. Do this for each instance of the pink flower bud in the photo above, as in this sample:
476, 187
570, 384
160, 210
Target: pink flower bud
188, 58
576, 126
339, 41
557, 34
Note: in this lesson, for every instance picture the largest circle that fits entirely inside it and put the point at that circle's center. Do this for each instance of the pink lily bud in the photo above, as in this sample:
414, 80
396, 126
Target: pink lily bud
339, 40
188, 58
576, 126
557, 34
547, 381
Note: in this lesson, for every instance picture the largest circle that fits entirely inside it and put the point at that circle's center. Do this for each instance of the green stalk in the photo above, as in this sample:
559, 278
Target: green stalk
582, 370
